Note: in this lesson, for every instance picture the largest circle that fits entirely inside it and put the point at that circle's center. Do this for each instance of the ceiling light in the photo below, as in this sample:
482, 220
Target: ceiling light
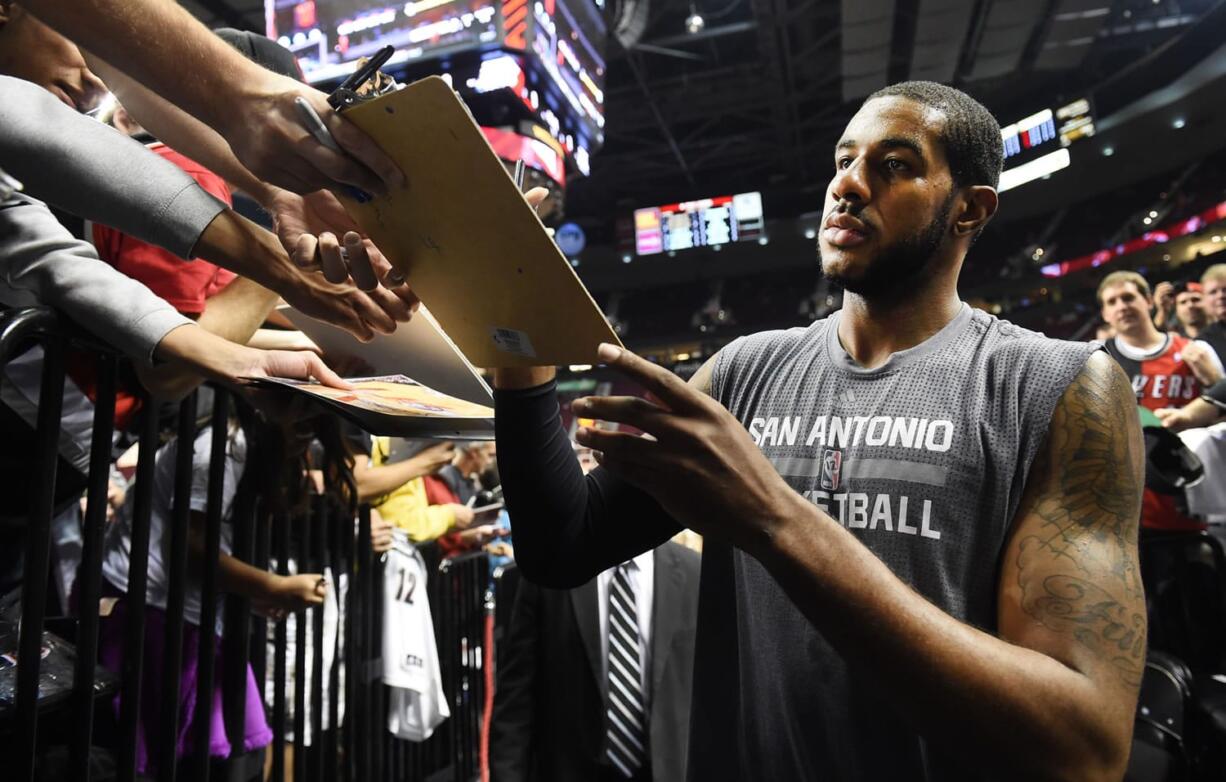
1153, 213
1148, 220
626, 259
764, 240
1108, 151
810, 233
1179, 123
694, 22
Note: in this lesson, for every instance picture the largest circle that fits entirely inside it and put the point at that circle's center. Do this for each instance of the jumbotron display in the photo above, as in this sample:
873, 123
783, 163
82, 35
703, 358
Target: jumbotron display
706, 222
545, 55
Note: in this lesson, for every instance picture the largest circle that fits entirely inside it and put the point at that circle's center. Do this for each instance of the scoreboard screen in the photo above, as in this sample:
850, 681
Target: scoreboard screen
706, 222
328, 36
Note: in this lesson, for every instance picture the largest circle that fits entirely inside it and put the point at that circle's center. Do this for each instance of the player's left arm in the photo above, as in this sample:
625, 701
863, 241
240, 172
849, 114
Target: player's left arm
1070, 584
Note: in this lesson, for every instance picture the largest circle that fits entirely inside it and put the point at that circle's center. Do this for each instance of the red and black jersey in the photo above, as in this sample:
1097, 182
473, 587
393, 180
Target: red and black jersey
1160, 378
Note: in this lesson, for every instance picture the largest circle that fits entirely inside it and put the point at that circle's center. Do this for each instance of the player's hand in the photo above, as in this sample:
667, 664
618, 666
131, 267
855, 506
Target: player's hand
309, 226
269, 138
381, 539
361, 313
1203, 366
696, 459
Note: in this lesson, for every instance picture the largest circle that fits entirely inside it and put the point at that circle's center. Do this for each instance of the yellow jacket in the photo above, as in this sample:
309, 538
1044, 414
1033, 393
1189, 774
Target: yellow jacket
407, 507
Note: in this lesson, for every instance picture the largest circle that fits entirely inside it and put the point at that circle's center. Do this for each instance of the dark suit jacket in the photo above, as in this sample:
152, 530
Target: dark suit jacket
549, 706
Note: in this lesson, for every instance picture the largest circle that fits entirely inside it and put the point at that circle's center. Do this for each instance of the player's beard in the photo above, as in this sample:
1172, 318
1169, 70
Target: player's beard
897, 268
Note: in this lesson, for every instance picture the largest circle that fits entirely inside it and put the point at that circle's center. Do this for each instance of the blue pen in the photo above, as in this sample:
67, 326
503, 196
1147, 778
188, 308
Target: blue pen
315, 126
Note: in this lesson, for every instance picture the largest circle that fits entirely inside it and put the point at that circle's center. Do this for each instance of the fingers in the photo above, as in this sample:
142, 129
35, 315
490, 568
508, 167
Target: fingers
320, 371
331, 260
616, 445
536, 196
337, 167
671, 390
371, 308
358, 261
632, 410
394, 306
304, 249
365, 151
382, 267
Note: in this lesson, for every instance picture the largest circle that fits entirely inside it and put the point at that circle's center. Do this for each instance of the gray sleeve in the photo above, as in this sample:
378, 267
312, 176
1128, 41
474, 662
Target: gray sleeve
42, 263
79, 165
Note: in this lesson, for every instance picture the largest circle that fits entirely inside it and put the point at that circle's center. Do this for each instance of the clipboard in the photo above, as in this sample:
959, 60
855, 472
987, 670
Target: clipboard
470, 246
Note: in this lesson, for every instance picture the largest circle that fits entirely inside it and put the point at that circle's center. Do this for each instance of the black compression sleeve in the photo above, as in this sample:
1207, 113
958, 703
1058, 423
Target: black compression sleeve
566, 527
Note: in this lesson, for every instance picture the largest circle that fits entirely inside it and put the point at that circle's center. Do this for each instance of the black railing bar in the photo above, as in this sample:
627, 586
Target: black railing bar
19, 326
89, 574
259, 629
203, 722
174, 543
38, 556
280, 532
236, 642
336, 561
303, 548
316, 521
138, 583
367, 727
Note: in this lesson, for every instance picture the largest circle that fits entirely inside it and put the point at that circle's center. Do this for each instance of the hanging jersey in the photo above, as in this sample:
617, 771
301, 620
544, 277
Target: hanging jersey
416, 702
1160, 378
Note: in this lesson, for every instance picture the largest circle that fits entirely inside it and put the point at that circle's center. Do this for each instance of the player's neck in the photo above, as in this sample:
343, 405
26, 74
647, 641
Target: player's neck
873, 330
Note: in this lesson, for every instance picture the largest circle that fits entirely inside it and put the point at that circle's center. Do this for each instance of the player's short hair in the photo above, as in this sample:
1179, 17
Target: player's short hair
1119, 278
970, 136
1215, 273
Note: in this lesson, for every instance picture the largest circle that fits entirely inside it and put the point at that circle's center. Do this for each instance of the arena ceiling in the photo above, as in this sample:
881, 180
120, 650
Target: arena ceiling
756, 98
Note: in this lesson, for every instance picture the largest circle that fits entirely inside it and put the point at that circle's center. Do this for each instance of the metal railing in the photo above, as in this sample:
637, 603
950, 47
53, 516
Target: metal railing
354, 745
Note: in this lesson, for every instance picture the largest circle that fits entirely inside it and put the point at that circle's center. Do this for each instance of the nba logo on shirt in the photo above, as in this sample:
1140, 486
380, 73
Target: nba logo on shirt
832, 468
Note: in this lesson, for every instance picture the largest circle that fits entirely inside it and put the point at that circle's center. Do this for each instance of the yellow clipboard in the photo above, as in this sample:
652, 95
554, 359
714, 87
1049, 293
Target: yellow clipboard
471, 247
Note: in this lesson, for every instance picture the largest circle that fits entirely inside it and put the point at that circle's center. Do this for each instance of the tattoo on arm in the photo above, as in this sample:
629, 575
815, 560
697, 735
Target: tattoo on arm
1077, 563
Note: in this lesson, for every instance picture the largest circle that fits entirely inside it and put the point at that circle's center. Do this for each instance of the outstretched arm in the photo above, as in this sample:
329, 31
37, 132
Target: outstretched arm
164, 47
1052, 696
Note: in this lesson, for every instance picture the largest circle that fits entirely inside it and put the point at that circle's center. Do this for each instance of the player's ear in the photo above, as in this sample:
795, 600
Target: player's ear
976, 206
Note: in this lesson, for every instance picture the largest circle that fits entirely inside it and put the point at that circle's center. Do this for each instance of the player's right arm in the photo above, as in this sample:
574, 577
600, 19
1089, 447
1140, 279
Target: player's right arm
568, 527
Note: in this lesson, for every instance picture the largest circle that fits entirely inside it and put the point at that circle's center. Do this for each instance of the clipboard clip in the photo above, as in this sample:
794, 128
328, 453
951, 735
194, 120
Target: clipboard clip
364, 83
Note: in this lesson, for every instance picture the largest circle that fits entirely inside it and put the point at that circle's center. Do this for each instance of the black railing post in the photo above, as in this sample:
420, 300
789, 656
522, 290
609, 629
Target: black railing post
202, 721
89, 575
175, 542
38, 555
280, 546
316, 521
138, 583
236, 642
366, 729
303, 525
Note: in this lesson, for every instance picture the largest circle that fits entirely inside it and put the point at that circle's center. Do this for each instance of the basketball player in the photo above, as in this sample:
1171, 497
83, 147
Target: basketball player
920, 555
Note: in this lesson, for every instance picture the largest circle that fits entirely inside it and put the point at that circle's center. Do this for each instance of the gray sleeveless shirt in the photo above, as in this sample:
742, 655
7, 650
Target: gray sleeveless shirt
924, 460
